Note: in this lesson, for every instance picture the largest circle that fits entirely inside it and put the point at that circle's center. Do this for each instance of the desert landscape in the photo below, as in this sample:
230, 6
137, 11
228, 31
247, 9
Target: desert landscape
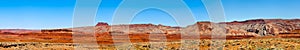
255, 34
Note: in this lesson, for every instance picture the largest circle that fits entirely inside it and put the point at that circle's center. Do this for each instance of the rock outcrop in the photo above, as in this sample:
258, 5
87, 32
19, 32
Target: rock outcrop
102, 24
257, 27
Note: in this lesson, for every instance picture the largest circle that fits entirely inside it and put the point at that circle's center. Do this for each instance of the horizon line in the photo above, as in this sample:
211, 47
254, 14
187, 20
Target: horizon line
150, 23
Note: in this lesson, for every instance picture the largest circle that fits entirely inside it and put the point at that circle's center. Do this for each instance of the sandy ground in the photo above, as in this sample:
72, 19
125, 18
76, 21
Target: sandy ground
241, 44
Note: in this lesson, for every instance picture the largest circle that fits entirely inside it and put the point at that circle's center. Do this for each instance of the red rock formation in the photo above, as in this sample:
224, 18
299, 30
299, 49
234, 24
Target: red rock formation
102, 24
289, 28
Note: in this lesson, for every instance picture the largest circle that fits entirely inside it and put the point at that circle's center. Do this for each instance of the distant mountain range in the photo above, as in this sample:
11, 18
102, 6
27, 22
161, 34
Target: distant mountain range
277, 28
257, 27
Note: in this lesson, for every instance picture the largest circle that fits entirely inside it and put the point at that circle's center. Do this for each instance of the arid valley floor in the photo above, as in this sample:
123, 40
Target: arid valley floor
257, 34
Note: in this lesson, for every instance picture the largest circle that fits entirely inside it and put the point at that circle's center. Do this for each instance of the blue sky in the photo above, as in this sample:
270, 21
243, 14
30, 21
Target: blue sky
43, 14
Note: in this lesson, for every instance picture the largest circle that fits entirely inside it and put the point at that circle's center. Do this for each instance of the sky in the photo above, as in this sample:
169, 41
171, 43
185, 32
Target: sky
47, 14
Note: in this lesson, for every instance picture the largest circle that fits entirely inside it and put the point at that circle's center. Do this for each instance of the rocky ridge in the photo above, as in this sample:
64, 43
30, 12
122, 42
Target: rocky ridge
257, 27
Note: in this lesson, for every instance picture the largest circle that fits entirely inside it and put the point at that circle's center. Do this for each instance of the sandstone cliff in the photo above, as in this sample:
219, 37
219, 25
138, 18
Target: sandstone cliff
257, 27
